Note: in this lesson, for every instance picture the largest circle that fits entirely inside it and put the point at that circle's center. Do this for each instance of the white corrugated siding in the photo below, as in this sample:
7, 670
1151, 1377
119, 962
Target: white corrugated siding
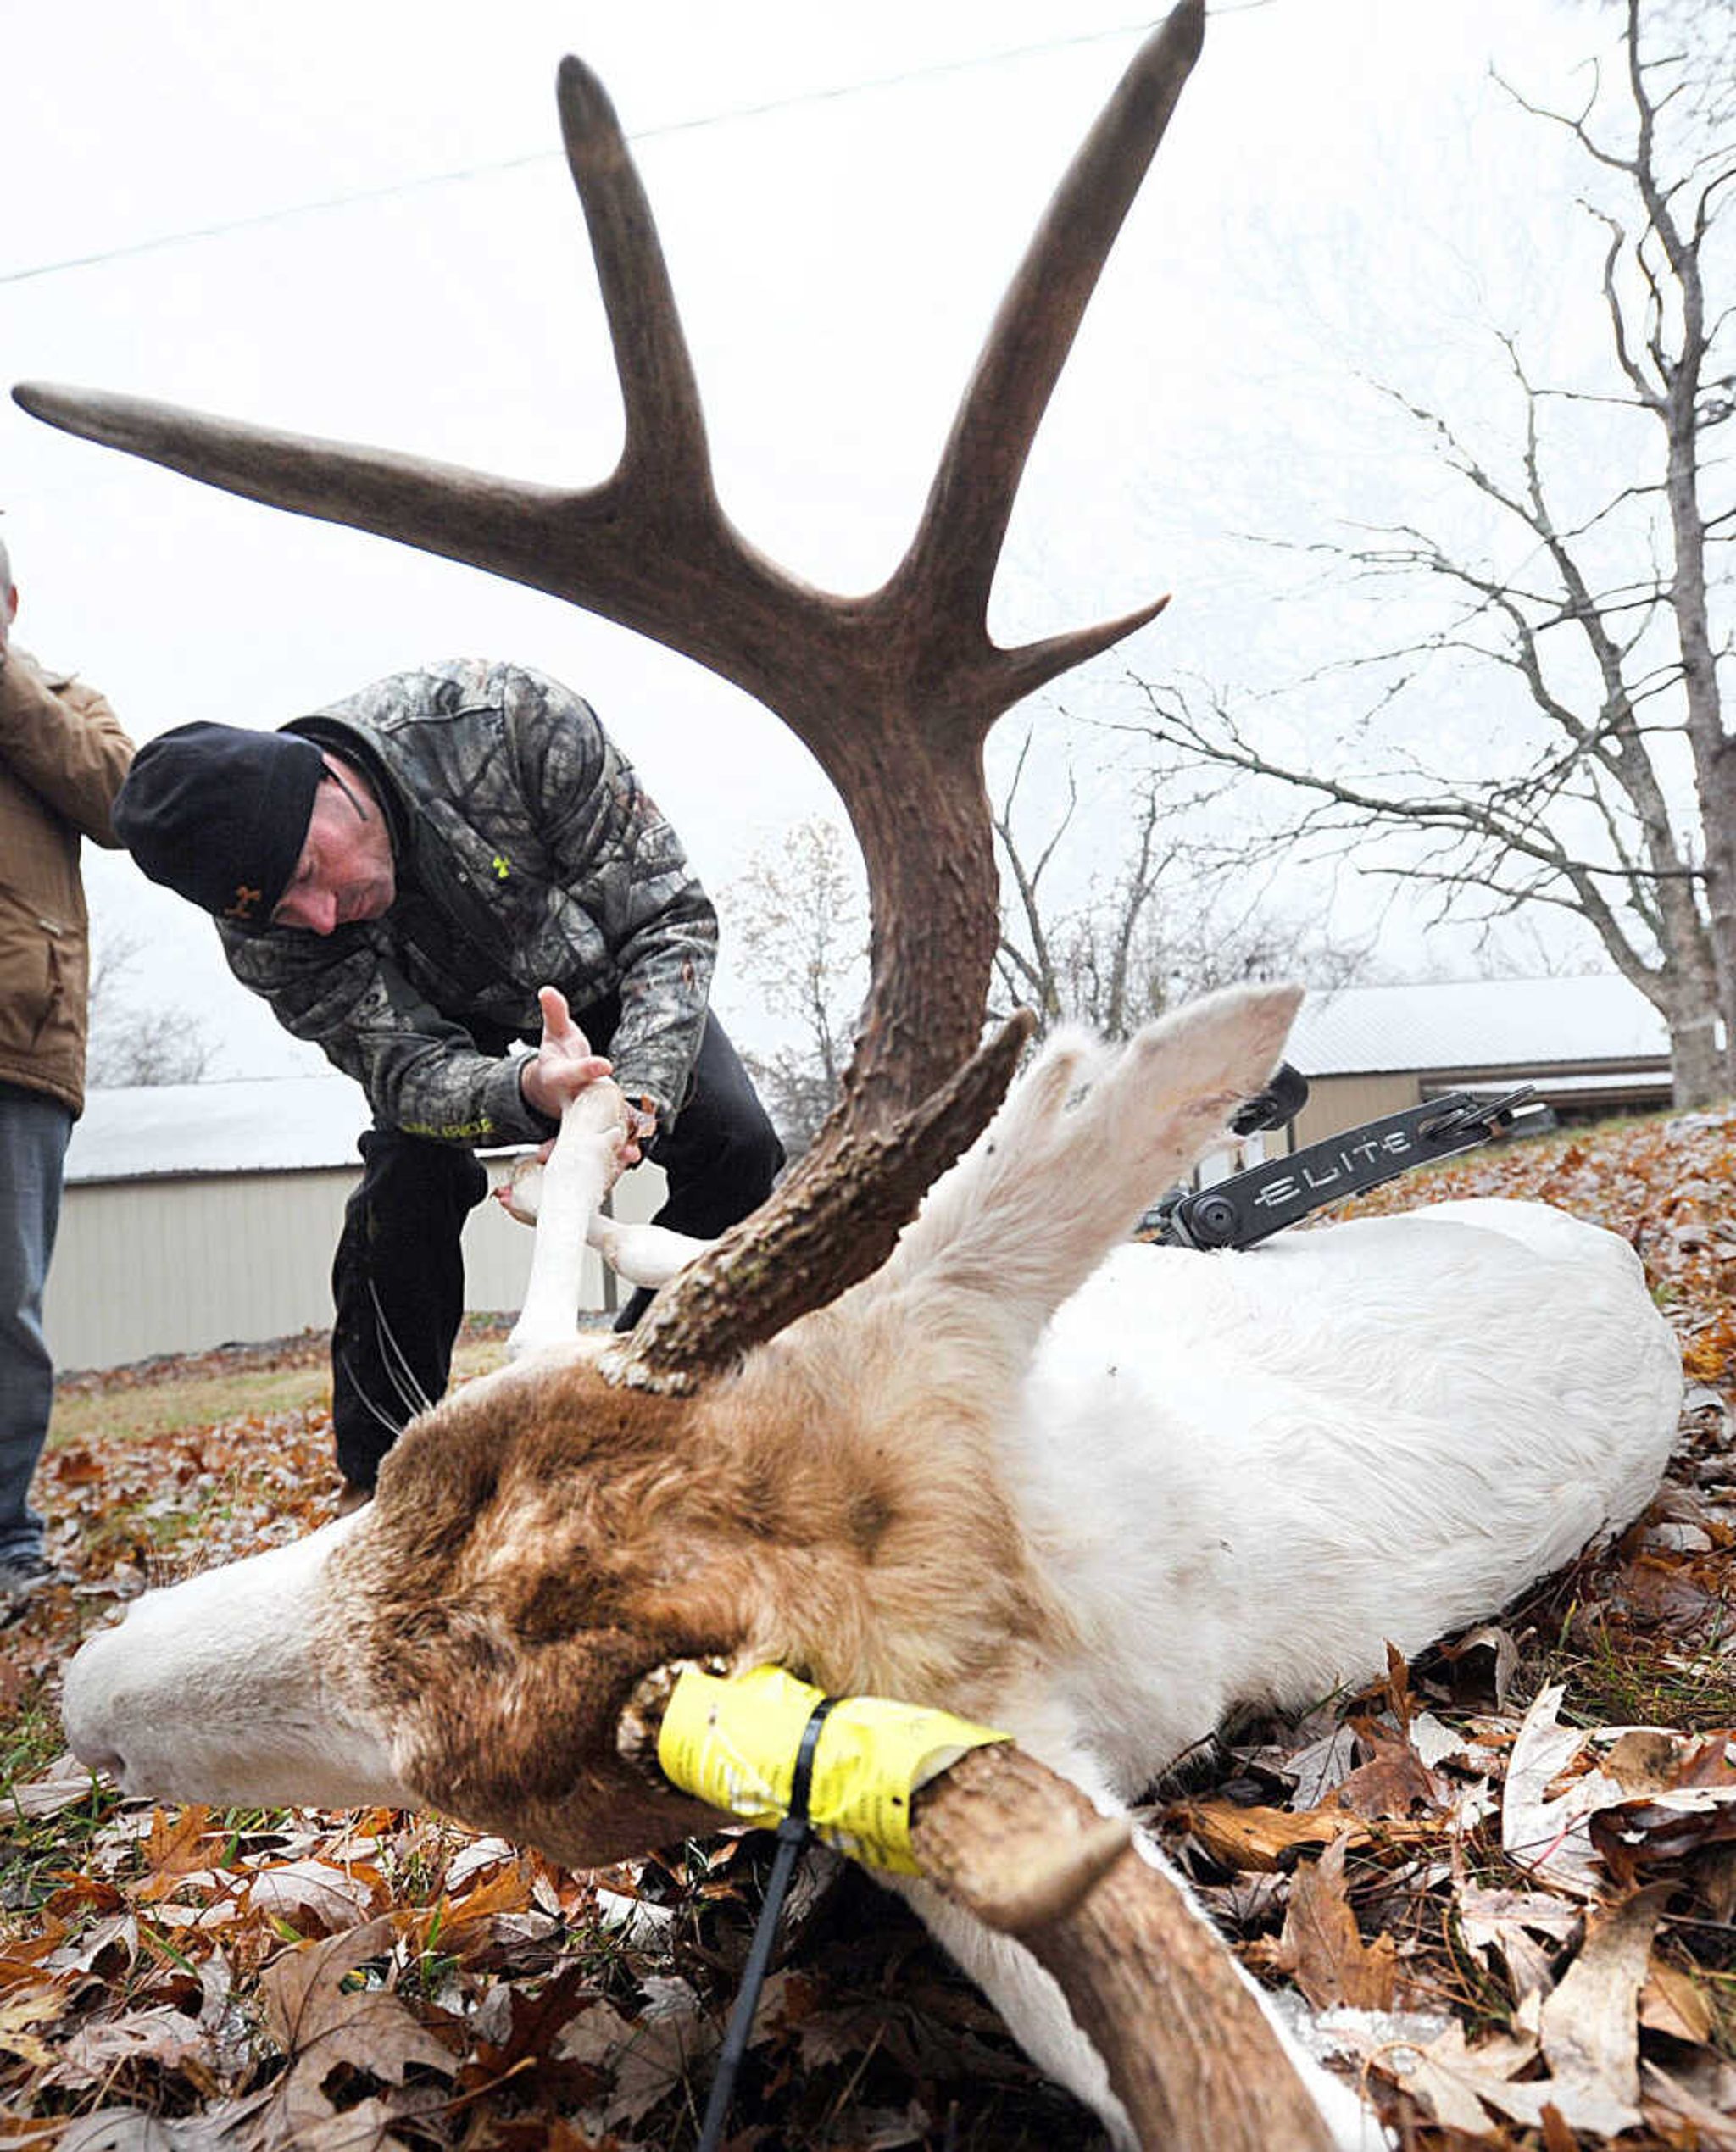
177, 1265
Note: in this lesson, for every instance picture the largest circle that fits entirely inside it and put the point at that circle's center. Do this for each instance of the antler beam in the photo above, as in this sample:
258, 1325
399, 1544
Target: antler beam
1191, 2055
1193, 2059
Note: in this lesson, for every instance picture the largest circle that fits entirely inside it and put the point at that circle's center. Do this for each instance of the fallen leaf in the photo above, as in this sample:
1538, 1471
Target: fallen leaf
1452, 2079
1550, 1839
1322, 1947
168, 2039
643, 2063
321, 2023
318, 1890
1590, 2023
1670, 2002
20, 2016
174, 1851
1510, 1922
462, 1920
1392, 1782
1642, 1759
66, 1784
1260, 1838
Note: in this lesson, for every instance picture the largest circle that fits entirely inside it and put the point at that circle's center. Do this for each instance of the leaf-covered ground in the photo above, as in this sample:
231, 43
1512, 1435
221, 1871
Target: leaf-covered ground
1506, 1875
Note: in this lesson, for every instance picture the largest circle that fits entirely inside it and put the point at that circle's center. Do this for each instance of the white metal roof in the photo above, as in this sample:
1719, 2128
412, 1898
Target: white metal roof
260, 1125
286, 1124
1476, 1024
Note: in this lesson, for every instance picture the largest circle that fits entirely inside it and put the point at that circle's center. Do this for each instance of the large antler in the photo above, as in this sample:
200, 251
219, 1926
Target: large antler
893, 692
1194, 2062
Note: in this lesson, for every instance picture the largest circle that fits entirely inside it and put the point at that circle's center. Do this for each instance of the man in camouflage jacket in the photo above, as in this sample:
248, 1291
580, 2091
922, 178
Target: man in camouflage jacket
398, 876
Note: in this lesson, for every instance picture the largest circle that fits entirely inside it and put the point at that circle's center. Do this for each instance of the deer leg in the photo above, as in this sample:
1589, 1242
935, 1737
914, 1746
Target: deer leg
646, 1255
583, 1163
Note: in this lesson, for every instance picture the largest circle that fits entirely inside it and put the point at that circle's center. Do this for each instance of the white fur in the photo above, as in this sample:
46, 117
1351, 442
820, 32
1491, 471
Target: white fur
1372, 1433
221, 1683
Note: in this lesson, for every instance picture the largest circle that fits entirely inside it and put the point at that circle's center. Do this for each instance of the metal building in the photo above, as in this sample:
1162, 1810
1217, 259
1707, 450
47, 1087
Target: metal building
1591, 1045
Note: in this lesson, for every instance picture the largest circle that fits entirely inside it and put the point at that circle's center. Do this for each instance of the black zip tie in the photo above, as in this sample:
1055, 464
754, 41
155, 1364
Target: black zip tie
793, 1833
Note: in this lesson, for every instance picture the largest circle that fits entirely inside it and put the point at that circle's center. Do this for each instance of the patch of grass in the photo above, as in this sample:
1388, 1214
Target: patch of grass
30, 1738
168, 1402
1617, 1678
151, 1410
35, 1852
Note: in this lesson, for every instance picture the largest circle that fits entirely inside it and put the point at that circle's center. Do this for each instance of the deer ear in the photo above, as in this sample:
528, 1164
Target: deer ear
1218, 1051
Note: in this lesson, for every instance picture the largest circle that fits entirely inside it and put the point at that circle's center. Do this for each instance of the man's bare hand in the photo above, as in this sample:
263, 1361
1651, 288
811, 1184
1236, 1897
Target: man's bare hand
564, 1067
564, 1064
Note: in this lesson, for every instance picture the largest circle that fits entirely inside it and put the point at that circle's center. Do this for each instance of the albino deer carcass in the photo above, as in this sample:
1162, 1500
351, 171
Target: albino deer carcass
1092, 1493
1088, 1491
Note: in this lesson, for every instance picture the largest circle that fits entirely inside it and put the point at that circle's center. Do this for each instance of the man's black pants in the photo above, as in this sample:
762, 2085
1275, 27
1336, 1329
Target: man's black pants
397, 1281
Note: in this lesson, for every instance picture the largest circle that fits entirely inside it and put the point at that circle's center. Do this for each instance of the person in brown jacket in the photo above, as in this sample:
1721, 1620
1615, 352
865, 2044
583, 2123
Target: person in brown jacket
62, 758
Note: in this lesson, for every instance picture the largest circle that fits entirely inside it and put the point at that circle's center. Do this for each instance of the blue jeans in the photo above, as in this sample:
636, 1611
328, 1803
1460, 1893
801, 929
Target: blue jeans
33, 1133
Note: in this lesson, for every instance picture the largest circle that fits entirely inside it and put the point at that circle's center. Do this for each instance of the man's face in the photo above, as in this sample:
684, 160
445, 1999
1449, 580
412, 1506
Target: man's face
344, 872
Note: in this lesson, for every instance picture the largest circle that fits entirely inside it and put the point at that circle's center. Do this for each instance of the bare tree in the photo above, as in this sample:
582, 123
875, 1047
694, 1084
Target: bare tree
1166, 920
1596, 596
135, 1039
797, 921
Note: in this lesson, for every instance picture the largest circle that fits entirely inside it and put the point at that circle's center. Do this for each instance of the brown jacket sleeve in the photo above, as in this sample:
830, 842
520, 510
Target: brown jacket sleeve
59, 736
62, 759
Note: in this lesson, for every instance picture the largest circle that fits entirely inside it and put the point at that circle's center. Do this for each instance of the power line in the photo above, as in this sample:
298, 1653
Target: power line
461, 175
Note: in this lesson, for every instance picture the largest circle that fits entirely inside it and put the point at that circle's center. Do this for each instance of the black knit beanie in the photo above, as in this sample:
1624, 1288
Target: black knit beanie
219, 816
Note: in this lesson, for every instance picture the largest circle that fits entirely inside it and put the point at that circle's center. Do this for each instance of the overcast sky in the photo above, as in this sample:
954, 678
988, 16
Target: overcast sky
354, 220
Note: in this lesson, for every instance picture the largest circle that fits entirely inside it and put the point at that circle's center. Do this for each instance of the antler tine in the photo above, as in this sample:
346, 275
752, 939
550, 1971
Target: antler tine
1034, 665
950, 567
498, 524
665, 425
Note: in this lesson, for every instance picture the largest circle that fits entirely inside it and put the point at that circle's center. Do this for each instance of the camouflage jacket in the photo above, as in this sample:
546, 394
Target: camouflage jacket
527, 855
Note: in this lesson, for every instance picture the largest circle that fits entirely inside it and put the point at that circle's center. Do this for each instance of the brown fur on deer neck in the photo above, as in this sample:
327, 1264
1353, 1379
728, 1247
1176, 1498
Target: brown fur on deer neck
506, 1598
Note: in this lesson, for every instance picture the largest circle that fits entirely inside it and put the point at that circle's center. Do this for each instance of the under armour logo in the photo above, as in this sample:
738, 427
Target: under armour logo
245, 900
502, 866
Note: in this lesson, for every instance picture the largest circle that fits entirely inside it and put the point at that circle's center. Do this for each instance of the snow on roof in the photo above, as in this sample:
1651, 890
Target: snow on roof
287, 1124
260, 1125
1476, 1024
